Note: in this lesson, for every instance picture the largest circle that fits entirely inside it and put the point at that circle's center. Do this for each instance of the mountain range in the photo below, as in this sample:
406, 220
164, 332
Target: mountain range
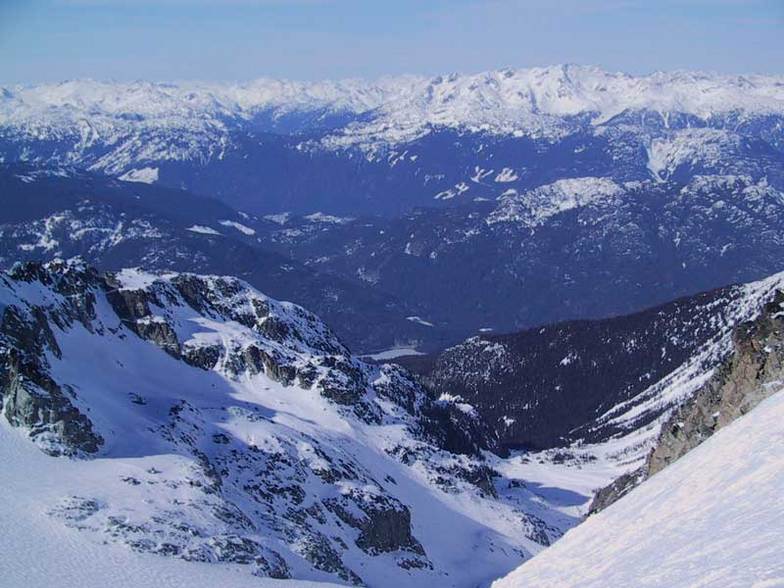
575, 274
442, 206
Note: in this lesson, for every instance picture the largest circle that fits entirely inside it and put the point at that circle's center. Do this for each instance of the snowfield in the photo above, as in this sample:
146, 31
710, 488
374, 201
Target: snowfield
714, 518
39, 551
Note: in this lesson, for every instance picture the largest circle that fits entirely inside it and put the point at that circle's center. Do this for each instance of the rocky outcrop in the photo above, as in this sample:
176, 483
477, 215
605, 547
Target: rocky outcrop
384, 524
32, 400
753, 371
29, 397
284, 453
619, 487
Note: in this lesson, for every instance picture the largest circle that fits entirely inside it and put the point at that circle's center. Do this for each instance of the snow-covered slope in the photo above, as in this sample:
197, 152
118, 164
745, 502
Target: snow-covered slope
210, 423
40, 551
714, 518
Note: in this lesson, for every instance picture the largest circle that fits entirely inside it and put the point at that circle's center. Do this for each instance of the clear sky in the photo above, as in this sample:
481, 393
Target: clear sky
51, 40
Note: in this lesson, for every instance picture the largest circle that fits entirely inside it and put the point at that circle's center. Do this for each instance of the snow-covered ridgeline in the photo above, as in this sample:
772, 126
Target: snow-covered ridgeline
540, 102
224, 426
495, 96
639, 420
748, 301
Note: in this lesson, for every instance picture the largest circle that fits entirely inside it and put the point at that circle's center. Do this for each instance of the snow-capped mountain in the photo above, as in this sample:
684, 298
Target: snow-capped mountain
531, 102
207, 422
501, 200
355, 147
210, 423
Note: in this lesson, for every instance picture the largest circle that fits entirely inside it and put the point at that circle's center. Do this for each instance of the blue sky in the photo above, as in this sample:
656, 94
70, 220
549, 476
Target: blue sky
50, 40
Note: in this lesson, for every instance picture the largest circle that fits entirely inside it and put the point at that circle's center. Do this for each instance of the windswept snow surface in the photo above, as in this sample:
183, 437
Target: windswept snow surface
714, 518
39, 551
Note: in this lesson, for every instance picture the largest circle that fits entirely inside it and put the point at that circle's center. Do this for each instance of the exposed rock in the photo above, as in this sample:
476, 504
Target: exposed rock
295, 481
319, 551
203, 356
384, 523
388, 529
619, 487
31, 399
753, 371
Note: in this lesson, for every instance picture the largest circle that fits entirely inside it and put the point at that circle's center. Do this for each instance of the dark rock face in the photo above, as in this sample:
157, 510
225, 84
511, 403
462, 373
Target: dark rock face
28, 396
753, 371
388, 529
204, 357
621, 486
33, 401
384, 524
133, 308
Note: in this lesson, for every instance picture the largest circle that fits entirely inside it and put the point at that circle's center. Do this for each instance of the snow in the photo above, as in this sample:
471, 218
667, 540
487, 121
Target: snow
569, 358
244, 229
203, 230
121, 127
135, 279
145, 175
505, 176
109, 368
154, 410
688, 146
537, 102
534, 207
40, 551
279, 219
688, 377
714, 518
394, 352
320, 217
419, 320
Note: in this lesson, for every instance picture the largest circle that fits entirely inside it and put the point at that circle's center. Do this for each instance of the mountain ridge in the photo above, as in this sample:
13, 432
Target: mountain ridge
219, 425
